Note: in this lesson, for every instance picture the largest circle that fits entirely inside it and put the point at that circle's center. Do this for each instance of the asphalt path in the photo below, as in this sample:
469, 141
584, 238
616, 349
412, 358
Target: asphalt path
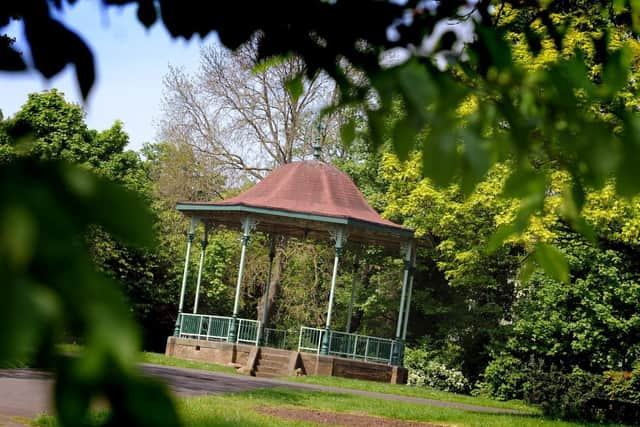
27, 392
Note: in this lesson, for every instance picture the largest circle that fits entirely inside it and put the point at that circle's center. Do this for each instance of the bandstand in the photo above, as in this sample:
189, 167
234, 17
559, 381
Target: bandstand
304, 199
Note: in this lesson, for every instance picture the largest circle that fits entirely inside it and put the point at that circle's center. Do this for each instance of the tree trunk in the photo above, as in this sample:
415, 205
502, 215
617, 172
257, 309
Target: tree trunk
279, 262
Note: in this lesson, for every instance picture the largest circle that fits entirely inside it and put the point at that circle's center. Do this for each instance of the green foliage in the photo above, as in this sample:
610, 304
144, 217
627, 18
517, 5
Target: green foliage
425, 371
57, 130
553, 262
218, 270
504, 378
56, 221
590, 323
557, 82
563, 395
623, 385
541, 71
51, 288
469, 291
564, 392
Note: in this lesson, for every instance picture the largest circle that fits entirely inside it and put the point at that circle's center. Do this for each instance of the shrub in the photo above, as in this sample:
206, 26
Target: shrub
617, 385
635, 383
435, 368
623, 385
564, 395
436, 375
481, 389
504, 378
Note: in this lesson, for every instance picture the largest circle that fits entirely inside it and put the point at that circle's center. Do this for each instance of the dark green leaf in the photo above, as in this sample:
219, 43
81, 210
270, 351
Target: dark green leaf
526, 270
524, 182
497, 239
404, 138
348, 132
376, 127
534, 40
295, 87
439, 157
553, 262
416, 88
53, 46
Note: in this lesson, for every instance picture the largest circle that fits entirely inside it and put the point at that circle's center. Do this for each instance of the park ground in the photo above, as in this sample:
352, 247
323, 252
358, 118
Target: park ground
210, 395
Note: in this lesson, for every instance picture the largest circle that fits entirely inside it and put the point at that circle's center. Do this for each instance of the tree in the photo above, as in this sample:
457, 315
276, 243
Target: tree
244, 120
521, 106
593, 322
50, 288
240, 119
180, 174
57, 131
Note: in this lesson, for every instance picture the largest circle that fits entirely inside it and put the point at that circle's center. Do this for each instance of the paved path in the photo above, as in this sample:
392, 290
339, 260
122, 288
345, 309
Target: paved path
23, 393
27, 392
189, 382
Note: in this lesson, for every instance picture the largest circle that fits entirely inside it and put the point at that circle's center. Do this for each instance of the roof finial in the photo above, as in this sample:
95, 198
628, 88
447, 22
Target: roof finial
317, 148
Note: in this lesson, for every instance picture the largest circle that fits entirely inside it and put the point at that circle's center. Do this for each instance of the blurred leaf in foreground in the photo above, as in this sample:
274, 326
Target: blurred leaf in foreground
51, 288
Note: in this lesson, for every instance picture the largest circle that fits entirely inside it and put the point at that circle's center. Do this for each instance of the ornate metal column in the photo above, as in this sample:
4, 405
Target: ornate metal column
398, 348
272, 255
248, 224
353, 292
204, 242
340, 237
408, 307
176, 330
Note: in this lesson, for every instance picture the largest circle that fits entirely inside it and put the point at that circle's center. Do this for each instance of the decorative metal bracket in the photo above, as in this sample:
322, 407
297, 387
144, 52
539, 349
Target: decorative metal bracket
248, 225
405, 249
339, 235
192, 226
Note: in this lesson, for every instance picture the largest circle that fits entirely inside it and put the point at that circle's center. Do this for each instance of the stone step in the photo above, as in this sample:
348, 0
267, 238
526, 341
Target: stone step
274, 356
264, 371
267, 351
278, 359
273, 364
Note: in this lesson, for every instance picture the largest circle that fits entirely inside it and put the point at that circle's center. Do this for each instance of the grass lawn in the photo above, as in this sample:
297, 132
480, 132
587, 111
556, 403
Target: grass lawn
404, 390
238, 409
161, 359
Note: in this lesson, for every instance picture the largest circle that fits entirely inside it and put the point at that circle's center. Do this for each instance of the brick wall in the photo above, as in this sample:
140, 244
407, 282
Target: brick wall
222, 353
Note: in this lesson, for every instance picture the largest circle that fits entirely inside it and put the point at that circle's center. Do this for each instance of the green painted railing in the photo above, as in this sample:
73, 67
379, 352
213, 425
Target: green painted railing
279, 338
362, 347
310, 339
216, 328
248, 331
342, 344
352, 346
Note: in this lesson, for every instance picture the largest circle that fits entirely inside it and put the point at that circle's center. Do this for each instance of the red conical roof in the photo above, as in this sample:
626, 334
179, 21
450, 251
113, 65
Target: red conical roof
310, 187
303, 199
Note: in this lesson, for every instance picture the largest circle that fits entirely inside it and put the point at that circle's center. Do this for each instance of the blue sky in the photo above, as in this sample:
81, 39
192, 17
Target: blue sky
130, 63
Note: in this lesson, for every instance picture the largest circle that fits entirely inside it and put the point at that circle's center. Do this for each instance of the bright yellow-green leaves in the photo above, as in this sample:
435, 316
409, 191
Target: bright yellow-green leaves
476, 225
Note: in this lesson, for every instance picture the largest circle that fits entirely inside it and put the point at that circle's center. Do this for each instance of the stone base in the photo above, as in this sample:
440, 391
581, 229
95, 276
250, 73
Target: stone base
217, 352
222, 353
